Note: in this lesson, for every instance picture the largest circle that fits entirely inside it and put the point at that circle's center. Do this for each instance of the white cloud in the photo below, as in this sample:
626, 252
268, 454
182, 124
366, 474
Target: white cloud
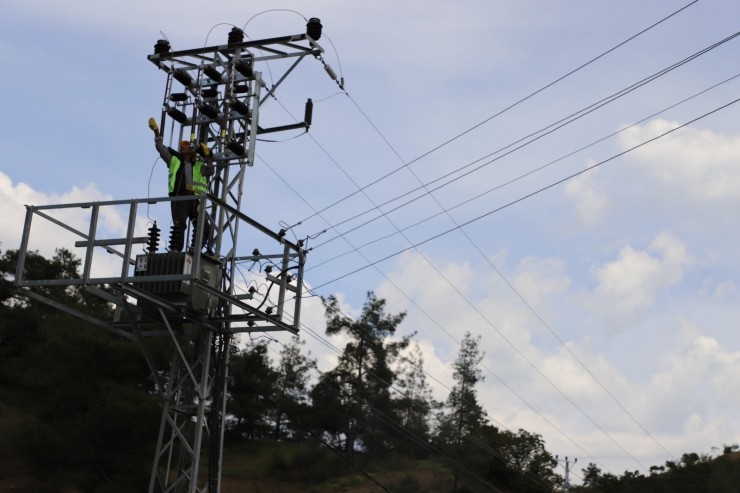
588, 196
725, 289
47, 235
685, 406
700, 378
698, 164
539, 278
418, 280
15, 198
628, 285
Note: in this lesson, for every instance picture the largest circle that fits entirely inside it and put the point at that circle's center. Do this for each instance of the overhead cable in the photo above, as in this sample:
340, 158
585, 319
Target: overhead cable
533, 137
513, 180
511, 106
527, 196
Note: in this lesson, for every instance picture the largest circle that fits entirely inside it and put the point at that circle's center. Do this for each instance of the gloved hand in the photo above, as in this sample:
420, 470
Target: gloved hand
153, 125
205, 149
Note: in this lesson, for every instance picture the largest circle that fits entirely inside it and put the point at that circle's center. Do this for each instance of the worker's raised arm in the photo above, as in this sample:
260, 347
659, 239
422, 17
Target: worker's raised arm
161, 148
208, 169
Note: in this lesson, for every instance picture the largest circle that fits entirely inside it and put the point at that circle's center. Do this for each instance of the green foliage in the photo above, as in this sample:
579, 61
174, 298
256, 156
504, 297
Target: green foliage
485, 457
364, 375
464, 415
316, 465
414, 406
92, 420
89, 420
64, 265
521, 462
251, 393
291, 400
692, 473
330, 416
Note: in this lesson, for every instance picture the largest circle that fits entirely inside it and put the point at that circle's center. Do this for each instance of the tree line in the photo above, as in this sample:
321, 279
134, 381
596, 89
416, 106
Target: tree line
87, 414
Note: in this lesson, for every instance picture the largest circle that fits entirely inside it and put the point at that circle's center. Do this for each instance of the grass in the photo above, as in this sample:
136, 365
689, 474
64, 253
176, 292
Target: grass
284, 467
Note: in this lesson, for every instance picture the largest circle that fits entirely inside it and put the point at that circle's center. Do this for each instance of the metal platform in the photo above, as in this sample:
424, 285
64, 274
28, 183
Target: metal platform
187, 285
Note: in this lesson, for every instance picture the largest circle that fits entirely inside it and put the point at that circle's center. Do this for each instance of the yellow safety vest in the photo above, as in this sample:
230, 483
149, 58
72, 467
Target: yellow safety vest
200, 182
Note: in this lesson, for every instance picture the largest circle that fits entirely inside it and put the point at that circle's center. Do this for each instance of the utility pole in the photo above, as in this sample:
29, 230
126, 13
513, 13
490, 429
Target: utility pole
213, 96
566, 485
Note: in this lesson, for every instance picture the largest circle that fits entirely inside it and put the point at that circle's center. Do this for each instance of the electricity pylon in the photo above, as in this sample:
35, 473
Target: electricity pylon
213, 96
566, 484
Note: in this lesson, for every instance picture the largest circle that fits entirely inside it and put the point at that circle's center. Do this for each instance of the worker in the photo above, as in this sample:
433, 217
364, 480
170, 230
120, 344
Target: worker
188, 176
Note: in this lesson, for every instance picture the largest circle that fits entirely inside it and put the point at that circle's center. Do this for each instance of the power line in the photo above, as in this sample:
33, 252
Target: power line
498, 378
511, 106
531, 364
551, 382
521, 398
533, 137
527, 196
584, 413
458, 227
522, 176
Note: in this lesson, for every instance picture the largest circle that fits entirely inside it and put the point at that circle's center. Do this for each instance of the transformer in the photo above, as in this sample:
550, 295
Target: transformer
169, 269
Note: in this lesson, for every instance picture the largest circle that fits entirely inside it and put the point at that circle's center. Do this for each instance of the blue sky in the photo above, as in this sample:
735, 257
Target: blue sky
607, 304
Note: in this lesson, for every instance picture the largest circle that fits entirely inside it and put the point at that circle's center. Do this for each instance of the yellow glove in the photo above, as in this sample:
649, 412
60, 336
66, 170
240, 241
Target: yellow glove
206, 150
153, 125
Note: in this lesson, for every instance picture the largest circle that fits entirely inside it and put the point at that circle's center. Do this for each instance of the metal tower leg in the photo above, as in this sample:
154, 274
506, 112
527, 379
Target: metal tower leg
177, 460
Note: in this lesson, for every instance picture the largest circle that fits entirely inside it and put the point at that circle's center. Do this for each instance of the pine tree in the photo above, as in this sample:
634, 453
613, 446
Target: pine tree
364, 375
463, 416
416, 403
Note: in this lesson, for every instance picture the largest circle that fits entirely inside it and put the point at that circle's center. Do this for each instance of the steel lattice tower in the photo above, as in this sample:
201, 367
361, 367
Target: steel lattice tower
213, 96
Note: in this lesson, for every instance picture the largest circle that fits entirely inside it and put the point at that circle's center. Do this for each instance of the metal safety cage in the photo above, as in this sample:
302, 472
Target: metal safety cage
130, 271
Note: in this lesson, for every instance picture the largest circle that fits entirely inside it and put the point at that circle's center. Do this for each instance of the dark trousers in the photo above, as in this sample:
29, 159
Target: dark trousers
181, 211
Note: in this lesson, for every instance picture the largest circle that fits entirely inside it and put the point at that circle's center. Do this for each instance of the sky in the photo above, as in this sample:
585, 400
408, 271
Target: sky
558, 178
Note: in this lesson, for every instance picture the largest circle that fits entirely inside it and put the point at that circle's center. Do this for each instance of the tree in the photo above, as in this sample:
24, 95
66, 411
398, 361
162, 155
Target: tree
464, 416
364, 375
692, 472
532, 468
591, 475
416, 404
330, 416
63, 265
730, 449
251, 394
90, 418
292, 388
